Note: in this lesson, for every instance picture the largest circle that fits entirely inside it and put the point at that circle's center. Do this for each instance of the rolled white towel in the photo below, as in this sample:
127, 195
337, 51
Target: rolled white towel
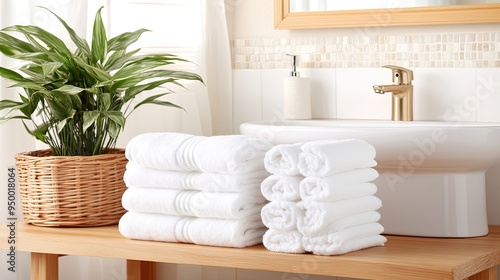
194, 203
280, 215
348, 240
231, 154
289, 241
342, 223
314, 216
137, 176
283, 159
328, 157
202, 231
350, 177
312, 188
277, 187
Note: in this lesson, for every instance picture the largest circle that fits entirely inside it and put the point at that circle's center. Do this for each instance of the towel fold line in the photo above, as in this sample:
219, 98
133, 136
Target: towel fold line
194, 203
137, 176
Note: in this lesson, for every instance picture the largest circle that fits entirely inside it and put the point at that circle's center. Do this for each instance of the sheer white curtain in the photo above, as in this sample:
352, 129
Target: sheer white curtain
208, 108
216, 60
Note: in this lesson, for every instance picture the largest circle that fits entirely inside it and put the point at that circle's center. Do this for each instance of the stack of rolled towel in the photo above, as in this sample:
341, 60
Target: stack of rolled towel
339, 206
194, 189
281, 188
335, 210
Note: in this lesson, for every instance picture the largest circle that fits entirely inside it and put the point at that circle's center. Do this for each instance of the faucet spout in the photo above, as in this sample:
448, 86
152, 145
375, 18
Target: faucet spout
381, 89
402, 93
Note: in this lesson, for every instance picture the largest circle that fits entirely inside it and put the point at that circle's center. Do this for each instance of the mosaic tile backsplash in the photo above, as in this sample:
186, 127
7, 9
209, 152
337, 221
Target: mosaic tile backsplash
456, 50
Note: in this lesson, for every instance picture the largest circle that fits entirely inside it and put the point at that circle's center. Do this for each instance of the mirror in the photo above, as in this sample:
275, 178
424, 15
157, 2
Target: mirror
336, 5
369, 17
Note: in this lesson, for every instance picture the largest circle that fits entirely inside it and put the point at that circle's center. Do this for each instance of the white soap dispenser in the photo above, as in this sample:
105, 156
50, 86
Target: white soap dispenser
297, 95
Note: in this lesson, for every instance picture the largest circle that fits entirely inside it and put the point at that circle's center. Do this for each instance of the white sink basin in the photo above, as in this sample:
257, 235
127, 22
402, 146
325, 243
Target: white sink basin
431, 173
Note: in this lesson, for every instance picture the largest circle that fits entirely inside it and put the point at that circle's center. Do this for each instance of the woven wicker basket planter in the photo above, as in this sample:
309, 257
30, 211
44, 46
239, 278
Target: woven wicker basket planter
76, 191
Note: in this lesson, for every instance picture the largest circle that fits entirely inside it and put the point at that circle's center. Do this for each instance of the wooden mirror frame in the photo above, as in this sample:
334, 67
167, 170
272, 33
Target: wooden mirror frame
458, 14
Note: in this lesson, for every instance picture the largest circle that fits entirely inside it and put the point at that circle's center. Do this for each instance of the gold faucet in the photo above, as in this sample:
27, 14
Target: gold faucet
402, 93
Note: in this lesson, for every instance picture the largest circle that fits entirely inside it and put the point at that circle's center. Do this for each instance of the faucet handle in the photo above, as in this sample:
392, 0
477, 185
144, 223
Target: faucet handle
400, 75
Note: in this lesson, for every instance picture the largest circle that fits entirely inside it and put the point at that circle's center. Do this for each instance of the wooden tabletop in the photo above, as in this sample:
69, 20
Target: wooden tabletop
401, 257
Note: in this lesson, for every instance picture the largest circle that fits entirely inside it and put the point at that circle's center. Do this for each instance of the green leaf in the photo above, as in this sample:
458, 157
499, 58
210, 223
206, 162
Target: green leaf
99, 40
89, 118
31, 104
27, 84
34, 56
118, 59
116, 117
11, 75
79, 42
132, 91
124, 40
114, 129
59, 109
69, 89
39, 132
52, 41
130, 70
11, 107
104, 101
62, 124
95, 72
49, 68
12, 46
8, 118
9, 104
154, 100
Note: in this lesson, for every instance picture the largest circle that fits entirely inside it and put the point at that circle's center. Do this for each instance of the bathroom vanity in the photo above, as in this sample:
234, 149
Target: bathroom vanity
401, 257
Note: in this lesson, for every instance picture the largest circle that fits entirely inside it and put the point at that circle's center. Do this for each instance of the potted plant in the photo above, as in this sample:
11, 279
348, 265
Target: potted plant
77, 103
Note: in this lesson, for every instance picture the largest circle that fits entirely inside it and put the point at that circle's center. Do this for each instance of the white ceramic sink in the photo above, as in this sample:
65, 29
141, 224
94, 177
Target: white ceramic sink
432, 174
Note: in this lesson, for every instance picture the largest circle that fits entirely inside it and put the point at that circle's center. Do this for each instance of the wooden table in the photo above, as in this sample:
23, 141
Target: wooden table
401, 258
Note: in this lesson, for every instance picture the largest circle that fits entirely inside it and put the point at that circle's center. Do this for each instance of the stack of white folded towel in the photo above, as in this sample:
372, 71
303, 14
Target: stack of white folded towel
339, 206
194, 189
281, 214
322, 198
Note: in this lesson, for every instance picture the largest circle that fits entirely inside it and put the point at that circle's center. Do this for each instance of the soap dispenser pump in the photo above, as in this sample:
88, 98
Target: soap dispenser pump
297, 94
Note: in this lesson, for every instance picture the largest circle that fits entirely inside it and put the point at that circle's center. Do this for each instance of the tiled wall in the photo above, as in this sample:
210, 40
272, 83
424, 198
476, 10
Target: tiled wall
477, 50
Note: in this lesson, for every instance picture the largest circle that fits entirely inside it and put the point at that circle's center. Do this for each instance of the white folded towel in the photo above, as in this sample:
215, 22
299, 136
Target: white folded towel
348, 240
280, 215
202, 231
277, 187
283, 159
231, 154
342, 223
328, 157
314, 216
194, 203
137, 176
289, 241
315, 188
